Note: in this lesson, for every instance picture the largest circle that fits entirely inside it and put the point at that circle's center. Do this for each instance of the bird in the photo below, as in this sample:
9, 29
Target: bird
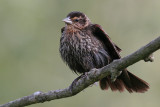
84, 46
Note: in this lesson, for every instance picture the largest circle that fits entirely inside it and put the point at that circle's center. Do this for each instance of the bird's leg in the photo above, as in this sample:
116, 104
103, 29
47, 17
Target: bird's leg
85, 74
75, 81
149, 58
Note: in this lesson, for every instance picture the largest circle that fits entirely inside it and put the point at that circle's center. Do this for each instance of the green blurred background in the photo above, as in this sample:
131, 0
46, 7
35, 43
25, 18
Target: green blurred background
29, 49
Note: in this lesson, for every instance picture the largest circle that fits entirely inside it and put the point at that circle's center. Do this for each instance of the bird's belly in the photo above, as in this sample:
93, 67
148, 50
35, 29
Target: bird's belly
83, 55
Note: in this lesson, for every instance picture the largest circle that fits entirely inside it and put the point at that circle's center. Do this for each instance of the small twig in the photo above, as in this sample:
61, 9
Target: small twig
149, 58
90, 78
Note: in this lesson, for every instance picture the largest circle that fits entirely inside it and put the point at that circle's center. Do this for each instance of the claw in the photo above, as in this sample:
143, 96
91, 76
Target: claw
75, 81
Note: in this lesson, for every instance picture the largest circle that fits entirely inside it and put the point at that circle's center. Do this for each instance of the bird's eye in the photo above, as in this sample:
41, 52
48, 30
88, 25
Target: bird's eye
76, 20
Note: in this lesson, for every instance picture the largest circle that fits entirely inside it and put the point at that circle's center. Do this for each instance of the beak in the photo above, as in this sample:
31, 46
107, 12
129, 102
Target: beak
67, 20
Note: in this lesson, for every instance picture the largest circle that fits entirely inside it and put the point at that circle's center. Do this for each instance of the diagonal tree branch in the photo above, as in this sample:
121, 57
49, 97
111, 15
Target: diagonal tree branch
91, 77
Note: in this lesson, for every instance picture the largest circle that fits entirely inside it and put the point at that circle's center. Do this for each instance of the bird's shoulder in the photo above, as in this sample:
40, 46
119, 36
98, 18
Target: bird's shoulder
99, 33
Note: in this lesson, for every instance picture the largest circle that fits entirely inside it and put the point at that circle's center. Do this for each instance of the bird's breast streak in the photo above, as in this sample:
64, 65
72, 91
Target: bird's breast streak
83, 49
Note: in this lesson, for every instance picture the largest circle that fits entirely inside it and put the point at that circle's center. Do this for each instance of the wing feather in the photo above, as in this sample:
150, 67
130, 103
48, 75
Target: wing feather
112, 49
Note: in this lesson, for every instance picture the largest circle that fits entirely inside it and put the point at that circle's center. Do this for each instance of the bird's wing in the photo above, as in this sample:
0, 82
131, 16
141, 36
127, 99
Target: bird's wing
119, 49
102, 36
62, 29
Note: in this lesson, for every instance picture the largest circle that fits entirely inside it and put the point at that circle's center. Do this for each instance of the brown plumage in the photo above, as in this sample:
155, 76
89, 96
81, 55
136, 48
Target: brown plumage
84, 46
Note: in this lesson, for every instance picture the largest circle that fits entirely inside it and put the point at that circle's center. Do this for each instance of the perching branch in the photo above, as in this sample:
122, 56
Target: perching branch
90, 78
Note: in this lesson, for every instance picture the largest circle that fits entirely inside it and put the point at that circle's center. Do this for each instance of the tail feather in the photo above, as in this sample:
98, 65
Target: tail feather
127, 81
138, 85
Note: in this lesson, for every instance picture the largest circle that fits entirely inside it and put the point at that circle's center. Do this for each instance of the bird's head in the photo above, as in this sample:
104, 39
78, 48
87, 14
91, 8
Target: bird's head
77, 20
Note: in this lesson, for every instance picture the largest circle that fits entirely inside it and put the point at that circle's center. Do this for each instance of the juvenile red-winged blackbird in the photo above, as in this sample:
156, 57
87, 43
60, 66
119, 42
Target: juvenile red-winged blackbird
84, 46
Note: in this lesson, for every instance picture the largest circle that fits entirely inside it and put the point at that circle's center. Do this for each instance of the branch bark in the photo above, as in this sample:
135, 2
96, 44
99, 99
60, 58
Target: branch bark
91, 77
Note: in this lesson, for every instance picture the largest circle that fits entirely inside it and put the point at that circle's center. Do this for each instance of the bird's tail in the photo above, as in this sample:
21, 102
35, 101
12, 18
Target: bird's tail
126, 80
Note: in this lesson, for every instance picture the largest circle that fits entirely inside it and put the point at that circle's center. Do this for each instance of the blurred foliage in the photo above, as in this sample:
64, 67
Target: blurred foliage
29, 48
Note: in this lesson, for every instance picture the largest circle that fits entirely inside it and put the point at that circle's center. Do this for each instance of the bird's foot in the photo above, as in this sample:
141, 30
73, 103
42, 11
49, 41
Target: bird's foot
75, 81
